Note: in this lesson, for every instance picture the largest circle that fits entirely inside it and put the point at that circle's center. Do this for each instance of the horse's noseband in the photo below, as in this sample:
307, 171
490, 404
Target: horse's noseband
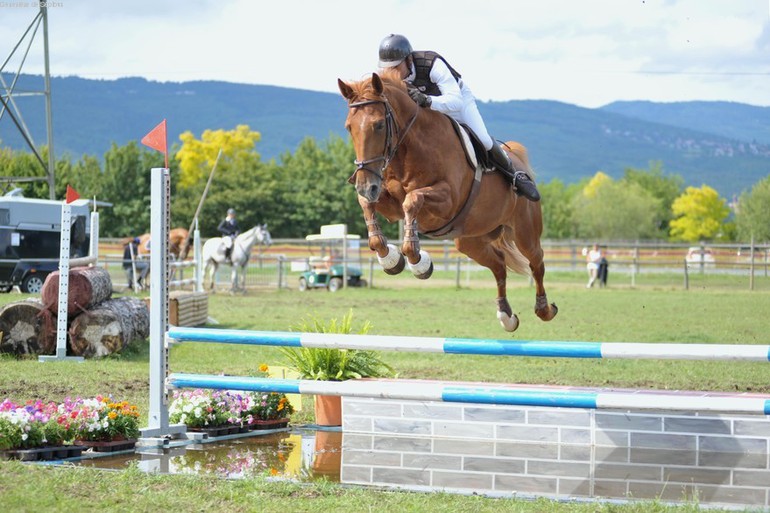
391, 129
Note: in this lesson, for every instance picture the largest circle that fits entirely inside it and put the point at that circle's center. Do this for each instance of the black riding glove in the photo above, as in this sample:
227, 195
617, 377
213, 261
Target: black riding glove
423, 100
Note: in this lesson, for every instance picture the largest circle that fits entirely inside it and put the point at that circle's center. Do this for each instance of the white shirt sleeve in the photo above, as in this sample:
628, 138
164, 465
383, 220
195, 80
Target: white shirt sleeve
451, 99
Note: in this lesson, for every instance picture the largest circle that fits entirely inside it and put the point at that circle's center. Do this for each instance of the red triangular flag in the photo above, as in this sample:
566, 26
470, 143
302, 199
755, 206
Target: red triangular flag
156, 139
72, 195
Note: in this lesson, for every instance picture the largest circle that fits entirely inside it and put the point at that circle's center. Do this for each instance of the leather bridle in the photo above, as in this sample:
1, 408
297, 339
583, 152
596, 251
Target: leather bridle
391, 130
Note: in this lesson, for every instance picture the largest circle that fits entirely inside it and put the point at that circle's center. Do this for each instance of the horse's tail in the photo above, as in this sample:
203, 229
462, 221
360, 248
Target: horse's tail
514, 259
520, 152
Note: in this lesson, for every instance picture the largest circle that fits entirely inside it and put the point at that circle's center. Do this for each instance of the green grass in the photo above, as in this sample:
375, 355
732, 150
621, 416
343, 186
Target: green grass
654, 313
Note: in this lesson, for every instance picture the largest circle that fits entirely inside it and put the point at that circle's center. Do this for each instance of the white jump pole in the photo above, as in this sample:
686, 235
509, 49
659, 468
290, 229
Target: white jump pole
158, 429
64, 279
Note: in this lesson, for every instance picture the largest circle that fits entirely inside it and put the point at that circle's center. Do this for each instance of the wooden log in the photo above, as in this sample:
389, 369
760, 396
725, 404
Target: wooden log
109, 327
28, 328
88, 287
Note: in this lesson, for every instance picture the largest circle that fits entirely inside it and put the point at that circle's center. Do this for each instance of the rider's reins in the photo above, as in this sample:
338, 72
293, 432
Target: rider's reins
391, 129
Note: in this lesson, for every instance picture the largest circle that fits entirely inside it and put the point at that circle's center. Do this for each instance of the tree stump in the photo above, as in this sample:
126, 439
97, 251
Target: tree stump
88, 287
109, 327
28, 328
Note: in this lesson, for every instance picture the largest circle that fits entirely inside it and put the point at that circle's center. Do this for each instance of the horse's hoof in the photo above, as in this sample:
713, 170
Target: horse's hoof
423, 269
509, 323
400, 265
392, 263
547, 313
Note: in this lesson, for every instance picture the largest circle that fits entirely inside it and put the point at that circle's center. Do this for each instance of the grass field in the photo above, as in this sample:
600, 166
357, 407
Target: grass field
654, 313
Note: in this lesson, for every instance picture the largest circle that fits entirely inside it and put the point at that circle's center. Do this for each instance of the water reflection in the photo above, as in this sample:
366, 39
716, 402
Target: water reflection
724, 471
302, 456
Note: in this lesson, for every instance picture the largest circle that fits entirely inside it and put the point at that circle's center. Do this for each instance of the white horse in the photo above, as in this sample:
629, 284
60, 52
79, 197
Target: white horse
214, 254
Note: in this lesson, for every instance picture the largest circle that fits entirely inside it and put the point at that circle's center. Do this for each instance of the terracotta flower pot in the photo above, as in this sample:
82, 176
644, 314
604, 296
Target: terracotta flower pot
328, 410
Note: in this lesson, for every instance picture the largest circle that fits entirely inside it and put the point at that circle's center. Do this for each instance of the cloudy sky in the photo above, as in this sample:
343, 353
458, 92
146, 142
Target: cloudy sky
588, 52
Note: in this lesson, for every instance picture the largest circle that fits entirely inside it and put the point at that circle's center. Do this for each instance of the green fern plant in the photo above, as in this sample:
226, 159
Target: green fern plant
324, 364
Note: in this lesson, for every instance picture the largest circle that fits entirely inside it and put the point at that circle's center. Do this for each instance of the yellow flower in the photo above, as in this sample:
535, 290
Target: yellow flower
280, 406
112, 415
263, 367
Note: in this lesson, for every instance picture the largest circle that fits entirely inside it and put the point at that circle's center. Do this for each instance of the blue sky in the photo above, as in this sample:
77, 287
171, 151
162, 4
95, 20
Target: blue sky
588, 53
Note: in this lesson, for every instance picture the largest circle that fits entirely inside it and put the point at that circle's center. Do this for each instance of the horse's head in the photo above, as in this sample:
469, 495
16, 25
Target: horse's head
373, 109
263, 235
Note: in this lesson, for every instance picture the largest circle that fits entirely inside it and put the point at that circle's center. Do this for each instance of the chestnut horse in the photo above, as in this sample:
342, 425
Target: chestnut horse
176, 243
411, 165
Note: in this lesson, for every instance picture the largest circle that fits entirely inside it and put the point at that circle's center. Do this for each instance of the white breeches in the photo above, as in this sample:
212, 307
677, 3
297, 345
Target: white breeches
470, 116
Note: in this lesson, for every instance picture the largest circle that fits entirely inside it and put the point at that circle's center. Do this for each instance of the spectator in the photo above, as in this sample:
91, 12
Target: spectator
130, 262
593, 259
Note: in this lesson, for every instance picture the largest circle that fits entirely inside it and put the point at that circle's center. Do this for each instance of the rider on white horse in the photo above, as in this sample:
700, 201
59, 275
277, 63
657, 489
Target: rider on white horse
229, 230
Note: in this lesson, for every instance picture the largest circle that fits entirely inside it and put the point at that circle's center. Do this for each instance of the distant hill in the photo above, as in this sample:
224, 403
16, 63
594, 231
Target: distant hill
725, 145
732, 120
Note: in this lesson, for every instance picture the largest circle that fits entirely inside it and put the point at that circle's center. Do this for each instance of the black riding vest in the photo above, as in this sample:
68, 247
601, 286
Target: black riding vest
423, 63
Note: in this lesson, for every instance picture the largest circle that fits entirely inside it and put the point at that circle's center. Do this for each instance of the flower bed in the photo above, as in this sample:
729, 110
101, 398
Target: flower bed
38, 430
222, 412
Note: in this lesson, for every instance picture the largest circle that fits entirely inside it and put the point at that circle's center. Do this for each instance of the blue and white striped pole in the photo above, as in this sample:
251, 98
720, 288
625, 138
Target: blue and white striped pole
483, 394
555, 349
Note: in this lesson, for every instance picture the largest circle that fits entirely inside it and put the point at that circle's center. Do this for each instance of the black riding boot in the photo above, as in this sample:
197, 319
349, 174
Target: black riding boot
521, 182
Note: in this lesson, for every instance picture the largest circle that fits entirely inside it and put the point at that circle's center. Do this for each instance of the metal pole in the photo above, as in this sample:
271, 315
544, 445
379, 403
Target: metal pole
457, 274
48, 110
64, 280
198, 257
686, 276
158, 425
751, 265
371, 272
344, 257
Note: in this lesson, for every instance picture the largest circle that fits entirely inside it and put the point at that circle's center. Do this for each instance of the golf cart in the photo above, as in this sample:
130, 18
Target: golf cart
332, 269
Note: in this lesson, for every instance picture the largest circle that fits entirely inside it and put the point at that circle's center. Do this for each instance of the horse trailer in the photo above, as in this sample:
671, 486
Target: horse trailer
30, 232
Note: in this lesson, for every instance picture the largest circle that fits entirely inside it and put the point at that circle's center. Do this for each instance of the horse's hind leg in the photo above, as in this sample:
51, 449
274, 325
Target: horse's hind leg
534, 253
484, 253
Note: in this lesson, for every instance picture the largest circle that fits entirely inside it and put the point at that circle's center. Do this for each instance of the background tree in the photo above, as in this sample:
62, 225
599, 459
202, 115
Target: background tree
125, 182
558, 209
314, 188
606, 209
197, 156
241, 180
665, 188
698, 214
752, 216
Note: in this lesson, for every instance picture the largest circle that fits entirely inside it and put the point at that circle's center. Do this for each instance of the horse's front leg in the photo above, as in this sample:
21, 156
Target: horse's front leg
435, 199
391, 260
419, 260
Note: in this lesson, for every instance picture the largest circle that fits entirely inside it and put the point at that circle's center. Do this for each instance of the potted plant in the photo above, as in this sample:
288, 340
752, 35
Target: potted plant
40, 430
214, 412
334, 364
268, 410
106, 425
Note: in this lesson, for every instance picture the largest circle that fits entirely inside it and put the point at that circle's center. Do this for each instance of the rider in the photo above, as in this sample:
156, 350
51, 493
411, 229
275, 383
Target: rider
229, 230
437, 86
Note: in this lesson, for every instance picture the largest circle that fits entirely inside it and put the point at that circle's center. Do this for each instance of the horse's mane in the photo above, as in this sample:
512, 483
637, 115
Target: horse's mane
390, 78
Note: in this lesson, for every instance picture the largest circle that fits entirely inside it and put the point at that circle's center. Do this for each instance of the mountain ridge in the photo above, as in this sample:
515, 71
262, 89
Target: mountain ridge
705, 142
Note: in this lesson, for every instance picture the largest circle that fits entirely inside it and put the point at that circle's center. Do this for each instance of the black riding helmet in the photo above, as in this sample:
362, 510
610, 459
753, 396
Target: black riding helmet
394, 49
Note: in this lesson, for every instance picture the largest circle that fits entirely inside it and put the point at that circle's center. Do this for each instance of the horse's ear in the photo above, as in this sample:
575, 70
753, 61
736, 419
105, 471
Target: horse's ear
345, 89
377, 83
